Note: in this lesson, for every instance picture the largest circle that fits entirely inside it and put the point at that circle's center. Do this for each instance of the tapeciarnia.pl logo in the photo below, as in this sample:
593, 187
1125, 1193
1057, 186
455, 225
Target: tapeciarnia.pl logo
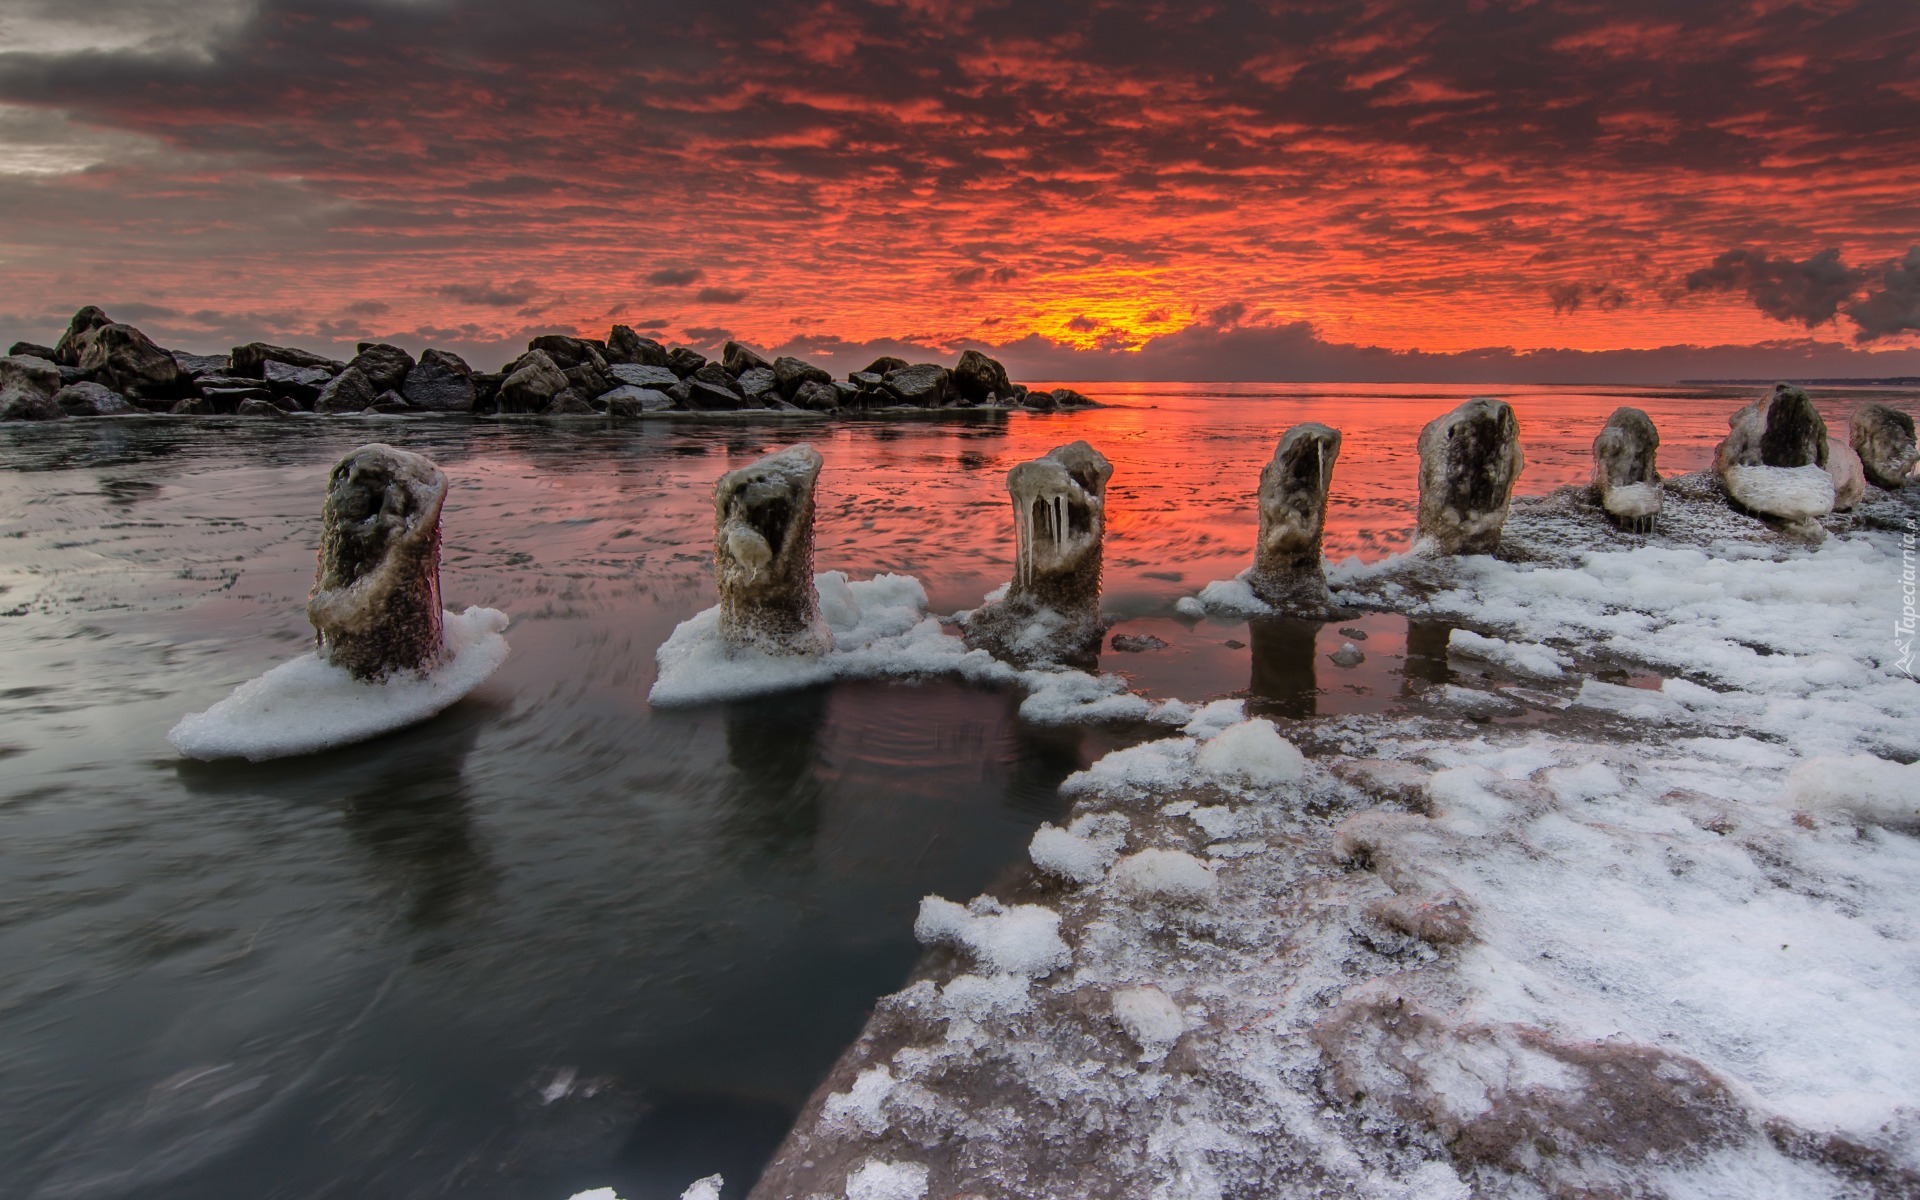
1903, 626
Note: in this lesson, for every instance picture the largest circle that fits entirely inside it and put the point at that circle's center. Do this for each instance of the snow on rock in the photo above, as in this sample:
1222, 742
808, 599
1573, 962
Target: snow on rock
1252, 752
1082, 852
309, 705
1023, 940
1150, 1018
1229, 597
1524, 658
860, 1105
1164, 875
704, 1189
878, 1180
1860, 786
1790, 493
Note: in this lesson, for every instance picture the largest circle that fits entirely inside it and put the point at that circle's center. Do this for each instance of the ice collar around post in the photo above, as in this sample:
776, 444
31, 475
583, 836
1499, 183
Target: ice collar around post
1469, 461
1625, 472
1287, 571
1052, 609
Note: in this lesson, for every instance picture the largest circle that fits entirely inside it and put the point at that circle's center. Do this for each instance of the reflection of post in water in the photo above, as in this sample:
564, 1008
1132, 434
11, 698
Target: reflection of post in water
412, 820
1426, 654
1284, 671
774, 798
1043, 757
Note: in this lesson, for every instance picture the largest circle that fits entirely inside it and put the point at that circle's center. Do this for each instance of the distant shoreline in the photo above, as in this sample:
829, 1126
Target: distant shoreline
1841, 381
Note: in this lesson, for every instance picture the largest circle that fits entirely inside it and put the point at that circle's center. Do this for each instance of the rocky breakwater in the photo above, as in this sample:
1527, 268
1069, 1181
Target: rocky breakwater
100, 367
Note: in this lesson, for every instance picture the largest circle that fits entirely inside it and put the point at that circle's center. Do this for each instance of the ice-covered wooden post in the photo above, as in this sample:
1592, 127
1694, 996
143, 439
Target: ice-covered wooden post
763, 555
1624, 469
376, 594
1883, 438
1287, 571
1469, 461
1052, 607
1773, 461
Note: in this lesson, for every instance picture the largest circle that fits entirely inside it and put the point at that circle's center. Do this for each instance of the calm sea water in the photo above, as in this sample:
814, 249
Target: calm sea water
554, 939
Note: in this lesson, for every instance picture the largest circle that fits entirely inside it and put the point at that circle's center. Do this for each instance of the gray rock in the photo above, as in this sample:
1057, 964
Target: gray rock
199, 365
1883, 438
260, 408
194, 406
625, 347
486, 390
384, 366
684, 361
680, 393
92, 400
27, 387
979, 379
923, 385
127, 361
1040, 401
588, 379
569, 352
74, 342
792, 372
629, 401
251, 360
1064, 397
816, 395
32, 350
709, 398
643, 375
759, 383
869, 379
569, 403
392, 402
880, 366
738, 359
348, 392
299, 384
440, 382
532, 385
716, 375
849, 390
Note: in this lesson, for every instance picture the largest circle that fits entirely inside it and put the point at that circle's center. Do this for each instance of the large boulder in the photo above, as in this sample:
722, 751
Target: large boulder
569, 352
486, 390
260, 408
629, 401
685, 361
1066, 397
816, 395
1883, 438
73, 343
127, 361
348, 392
532, 385
569, 403
251, 360
193, 406
759, 384
27, 388
923, 385
645, 375
738, 359
199, 365
439, 382
32, 350
886, 362
980, 379
300, 385
626, 346
588, 379
92, 400
711, 397
791, 372
384, 366
716, 375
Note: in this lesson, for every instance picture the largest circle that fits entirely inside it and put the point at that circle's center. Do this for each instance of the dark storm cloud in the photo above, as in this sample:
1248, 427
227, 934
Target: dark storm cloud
675, 276
1809, 292
507, 295
1570, 297
1892, 302
720, 295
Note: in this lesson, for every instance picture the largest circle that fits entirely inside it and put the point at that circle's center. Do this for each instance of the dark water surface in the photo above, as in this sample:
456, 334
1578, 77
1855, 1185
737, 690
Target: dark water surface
554, 939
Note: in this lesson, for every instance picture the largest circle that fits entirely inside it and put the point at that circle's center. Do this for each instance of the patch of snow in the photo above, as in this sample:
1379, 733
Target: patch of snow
308, 705
1164, 875
1859, 786
1525, 658
704, 1189
1150, 1017
860, 1105
1252, 752
878, 1180
1792, 493
1082, 852
1023, 940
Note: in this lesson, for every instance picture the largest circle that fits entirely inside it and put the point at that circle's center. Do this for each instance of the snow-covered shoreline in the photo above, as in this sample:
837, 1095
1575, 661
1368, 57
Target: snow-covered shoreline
1664, 946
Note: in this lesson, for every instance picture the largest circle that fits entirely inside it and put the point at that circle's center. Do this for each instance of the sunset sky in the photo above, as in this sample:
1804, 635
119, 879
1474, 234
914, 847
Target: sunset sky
1550, 190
